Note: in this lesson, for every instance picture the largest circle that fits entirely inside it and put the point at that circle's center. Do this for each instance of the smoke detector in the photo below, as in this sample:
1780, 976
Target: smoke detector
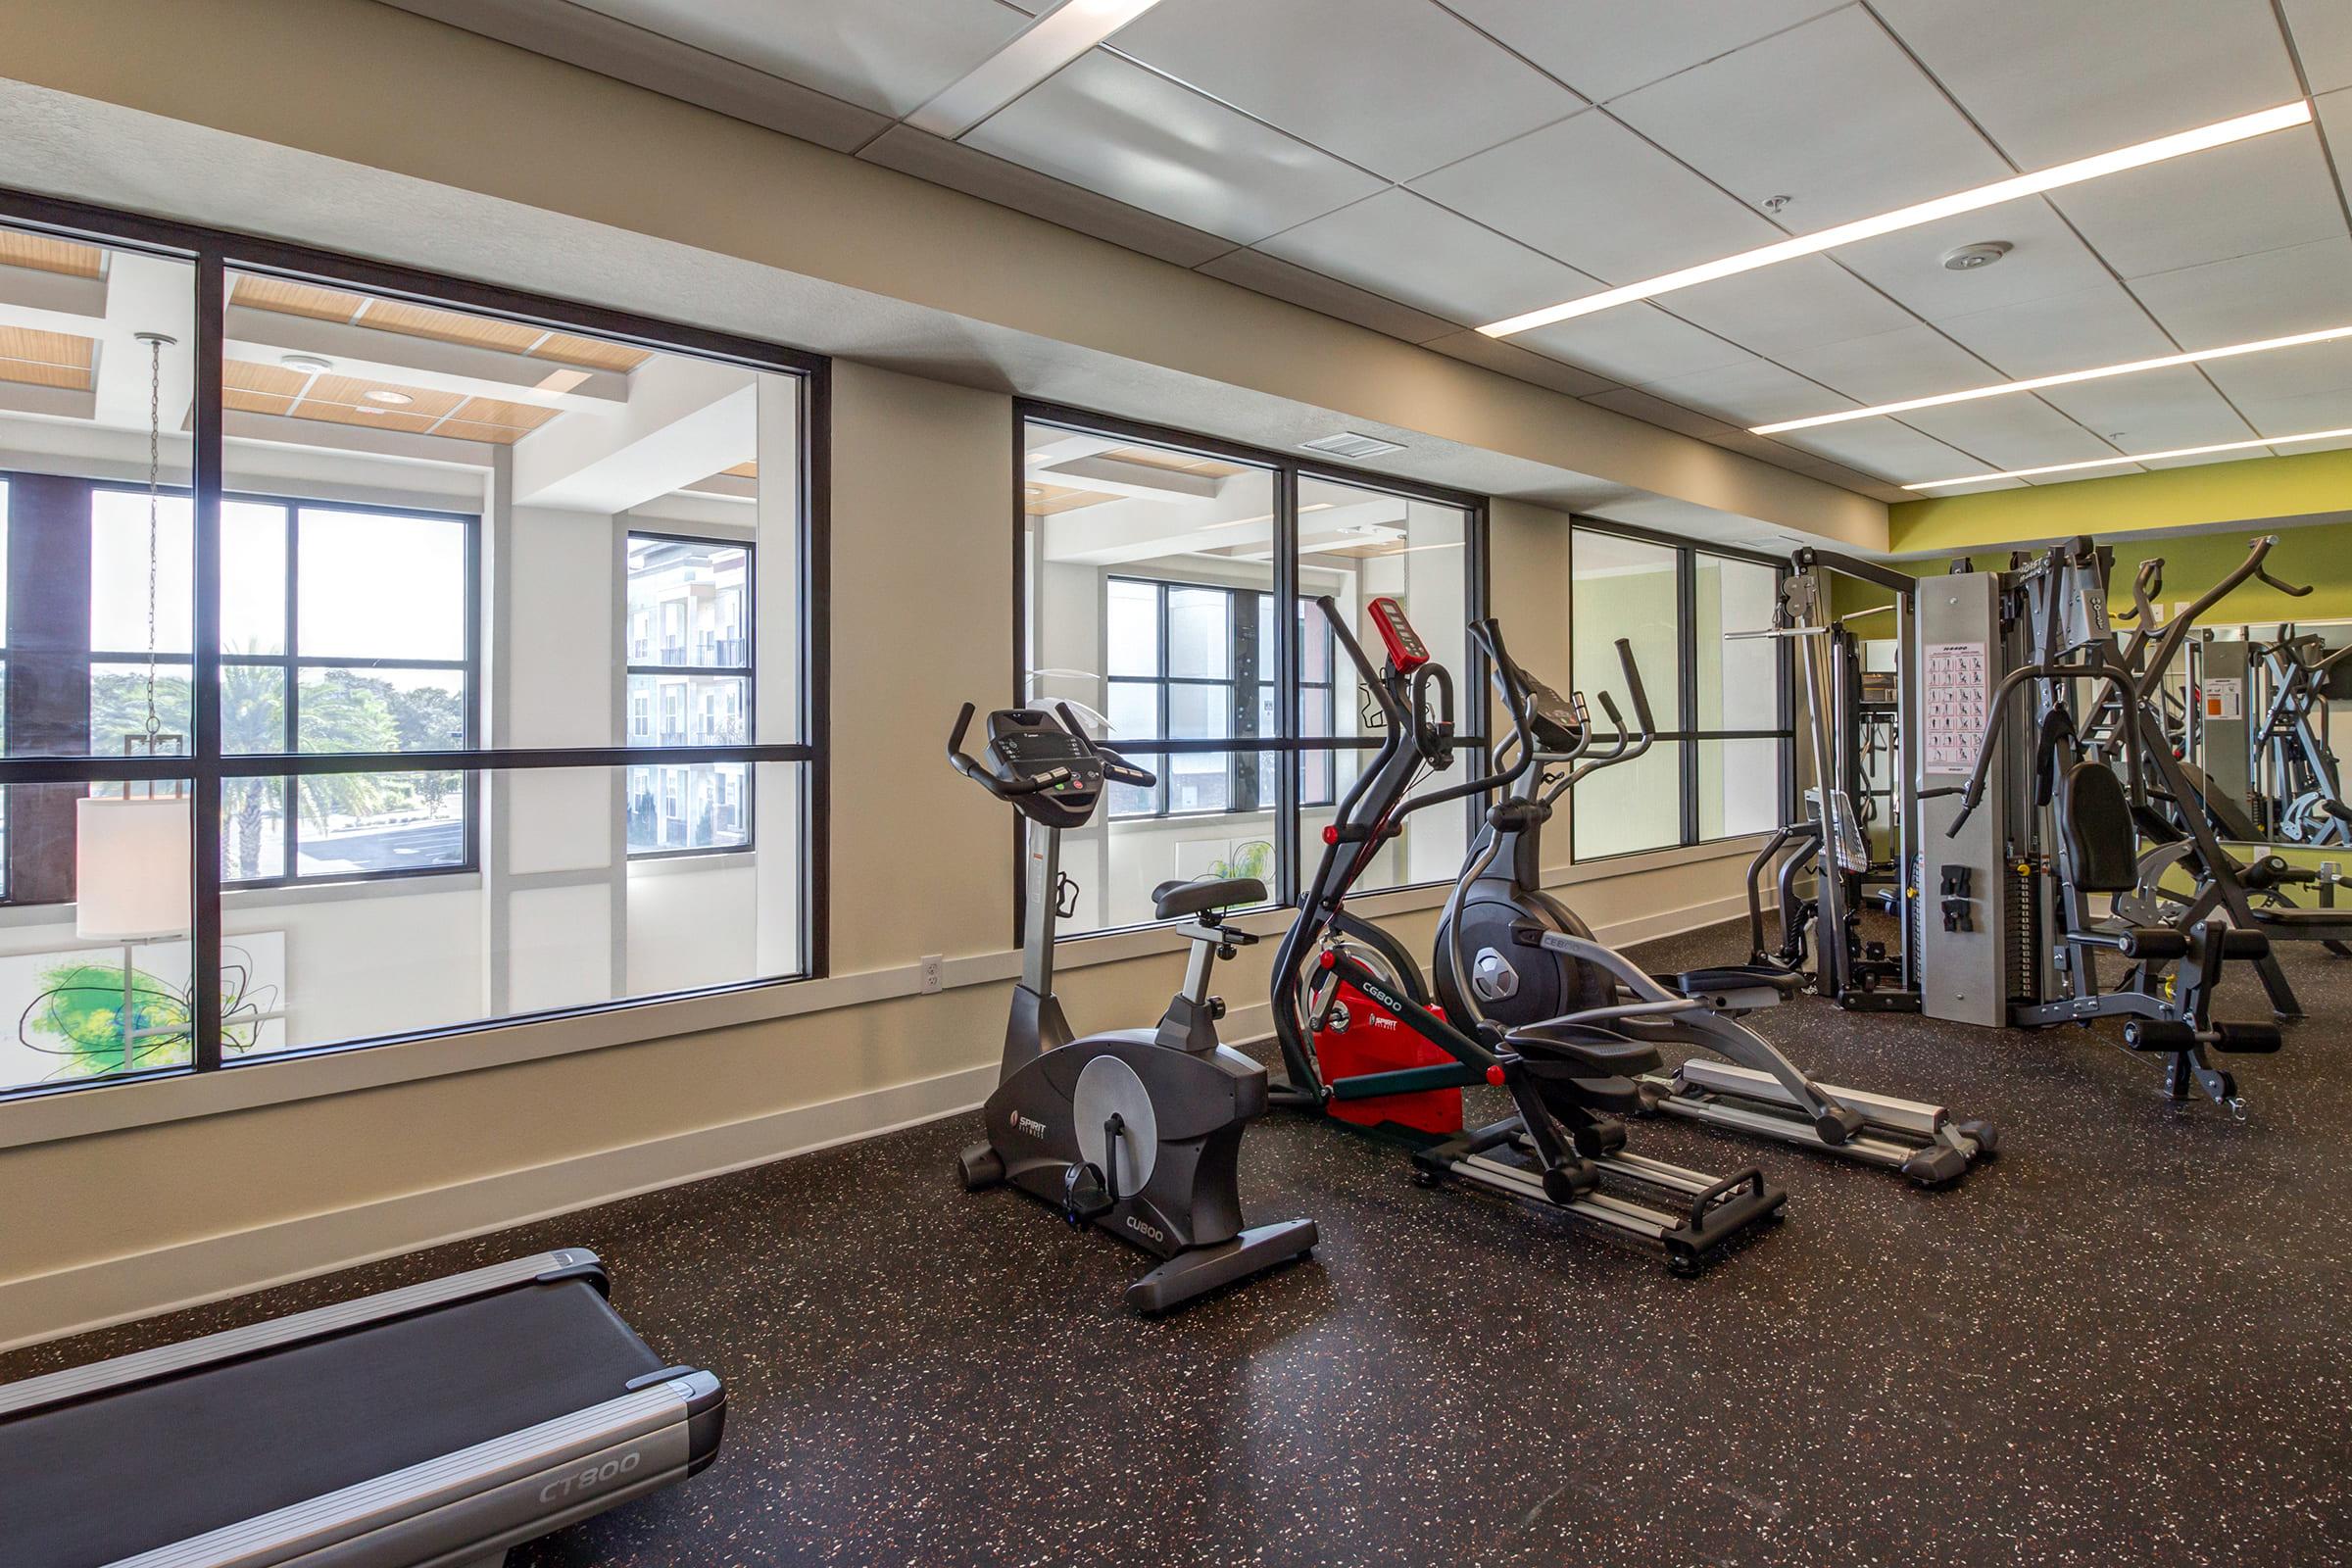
1968, 258
1349, 444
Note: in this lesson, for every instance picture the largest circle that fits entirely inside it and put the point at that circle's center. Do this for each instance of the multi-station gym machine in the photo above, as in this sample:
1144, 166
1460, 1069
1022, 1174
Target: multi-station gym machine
2032, 759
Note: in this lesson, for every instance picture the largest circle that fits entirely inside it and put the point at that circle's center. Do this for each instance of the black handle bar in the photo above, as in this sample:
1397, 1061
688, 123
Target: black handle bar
1115, 764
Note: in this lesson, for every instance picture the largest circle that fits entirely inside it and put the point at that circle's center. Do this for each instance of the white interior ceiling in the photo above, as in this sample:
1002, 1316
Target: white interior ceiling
1421, 167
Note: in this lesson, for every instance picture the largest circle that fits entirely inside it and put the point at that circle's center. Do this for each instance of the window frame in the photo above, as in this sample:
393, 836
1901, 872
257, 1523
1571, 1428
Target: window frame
748, 672
291, 662
211, 255
1685, 735
1473, 714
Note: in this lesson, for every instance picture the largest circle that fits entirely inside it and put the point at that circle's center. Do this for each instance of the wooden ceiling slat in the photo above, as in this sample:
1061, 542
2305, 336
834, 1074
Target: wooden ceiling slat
42, 253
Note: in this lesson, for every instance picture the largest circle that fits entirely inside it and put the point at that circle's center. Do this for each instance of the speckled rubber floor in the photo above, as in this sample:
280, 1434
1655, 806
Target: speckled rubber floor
2122, 1342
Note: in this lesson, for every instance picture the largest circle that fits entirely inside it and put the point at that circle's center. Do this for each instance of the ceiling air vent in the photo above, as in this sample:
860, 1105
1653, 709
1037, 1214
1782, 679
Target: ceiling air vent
1349, 444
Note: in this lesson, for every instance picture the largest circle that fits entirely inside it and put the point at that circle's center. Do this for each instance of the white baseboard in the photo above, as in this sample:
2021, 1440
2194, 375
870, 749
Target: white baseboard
92, 1295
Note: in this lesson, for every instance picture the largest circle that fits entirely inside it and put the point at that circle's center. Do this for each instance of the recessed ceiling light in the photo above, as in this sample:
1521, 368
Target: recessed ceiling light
1032, 54
2219, 134
1968, 258
2140, 457
307, 363
2063, 378
391, 399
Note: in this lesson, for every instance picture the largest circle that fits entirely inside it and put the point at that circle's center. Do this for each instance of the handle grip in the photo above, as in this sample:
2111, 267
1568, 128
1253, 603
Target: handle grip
1115, 765
1633, 686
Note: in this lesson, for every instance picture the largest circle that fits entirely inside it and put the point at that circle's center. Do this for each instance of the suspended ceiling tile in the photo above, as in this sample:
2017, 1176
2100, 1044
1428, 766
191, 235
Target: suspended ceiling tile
1598, 197
1887, 450
1525, 364
1832, 114
1413, 250
1008, 184
1753, 392
1633, 344
2322, 35
1667, 415
2309, 371
2326, 410
2266, 194
2103, 325
2045, 259
2055, 83
1911, 362
2153, 410
2017, 432
2335, 125
1605, 47
627, 52
2270, 294
1795, 305
1115, 128
887, 55
1399, 87
1283, 280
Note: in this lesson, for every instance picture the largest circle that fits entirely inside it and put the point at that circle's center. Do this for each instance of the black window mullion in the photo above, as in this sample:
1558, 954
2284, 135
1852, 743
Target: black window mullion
204, 684
1289, 761
1687, 699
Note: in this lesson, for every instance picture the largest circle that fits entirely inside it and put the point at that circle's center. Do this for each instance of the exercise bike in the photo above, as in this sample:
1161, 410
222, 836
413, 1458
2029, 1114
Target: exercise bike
1136, 1132
1364, 1046
1511, 955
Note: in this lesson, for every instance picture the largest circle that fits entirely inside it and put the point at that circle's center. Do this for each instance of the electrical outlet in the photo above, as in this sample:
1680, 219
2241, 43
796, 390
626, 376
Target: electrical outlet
933, 980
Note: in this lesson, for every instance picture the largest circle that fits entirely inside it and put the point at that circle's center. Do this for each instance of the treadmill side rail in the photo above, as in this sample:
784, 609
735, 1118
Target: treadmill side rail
169, 1360
470, 1505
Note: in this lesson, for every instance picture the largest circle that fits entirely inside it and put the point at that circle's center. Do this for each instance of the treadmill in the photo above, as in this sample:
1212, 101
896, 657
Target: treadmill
430, 1427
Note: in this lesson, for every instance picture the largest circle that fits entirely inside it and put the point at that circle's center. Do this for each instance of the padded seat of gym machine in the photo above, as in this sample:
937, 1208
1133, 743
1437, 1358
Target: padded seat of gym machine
1576, 1045
1180, 897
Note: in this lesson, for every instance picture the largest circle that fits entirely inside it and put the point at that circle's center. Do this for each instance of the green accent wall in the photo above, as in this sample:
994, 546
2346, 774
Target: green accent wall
2300, 485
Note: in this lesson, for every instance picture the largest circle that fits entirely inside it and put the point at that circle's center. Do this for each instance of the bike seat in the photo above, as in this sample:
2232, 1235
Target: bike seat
1174, 898
1577, 1045
1734, 978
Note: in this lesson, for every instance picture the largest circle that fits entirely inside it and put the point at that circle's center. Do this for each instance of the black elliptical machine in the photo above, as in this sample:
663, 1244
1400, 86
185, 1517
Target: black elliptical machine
1365, 1047
1137, 1132
1511, 955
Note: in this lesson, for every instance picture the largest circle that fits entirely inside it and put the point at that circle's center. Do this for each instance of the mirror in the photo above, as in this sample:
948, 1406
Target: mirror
2256, 706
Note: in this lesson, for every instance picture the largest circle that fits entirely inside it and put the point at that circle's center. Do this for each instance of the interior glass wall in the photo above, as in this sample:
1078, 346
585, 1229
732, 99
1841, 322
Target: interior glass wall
1718, 764
467, 642
1160, 588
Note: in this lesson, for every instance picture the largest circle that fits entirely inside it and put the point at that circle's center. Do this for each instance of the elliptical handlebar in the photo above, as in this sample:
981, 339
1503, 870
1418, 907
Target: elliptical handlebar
2250, 570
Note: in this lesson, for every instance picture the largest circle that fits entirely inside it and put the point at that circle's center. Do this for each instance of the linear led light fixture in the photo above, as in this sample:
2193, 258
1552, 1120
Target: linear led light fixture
1035, 53
2219, 134
2140, 457
2068, 378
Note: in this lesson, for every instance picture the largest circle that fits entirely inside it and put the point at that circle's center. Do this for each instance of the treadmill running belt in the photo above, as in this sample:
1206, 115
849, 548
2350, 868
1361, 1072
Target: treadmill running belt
84, 1485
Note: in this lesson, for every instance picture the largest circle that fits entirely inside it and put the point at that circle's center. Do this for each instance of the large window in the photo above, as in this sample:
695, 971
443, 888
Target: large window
1719, 765
382, 656
1153, 575
689, 619
1194, 661
343, 629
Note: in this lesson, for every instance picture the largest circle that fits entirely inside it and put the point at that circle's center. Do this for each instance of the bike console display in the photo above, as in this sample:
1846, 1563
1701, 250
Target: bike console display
1407, 651
1043, 765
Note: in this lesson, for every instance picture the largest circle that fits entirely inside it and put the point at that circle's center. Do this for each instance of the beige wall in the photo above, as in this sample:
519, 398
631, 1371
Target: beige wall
114, 1223
870, 262
123, 1222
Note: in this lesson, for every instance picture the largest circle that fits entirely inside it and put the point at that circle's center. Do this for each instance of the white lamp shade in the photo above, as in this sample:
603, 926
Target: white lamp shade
131, 861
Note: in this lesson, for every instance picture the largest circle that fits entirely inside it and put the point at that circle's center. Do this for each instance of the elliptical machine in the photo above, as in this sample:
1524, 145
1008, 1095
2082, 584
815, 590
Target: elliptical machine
1365, 1047
1512, 957
1137, 1132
